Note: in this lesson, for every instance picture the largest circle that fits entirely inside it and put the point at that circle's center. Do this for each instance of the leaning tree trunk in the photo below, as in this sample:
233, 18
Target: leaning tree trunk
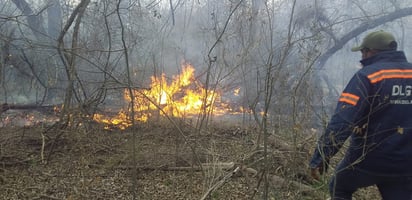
47, 37
399, 13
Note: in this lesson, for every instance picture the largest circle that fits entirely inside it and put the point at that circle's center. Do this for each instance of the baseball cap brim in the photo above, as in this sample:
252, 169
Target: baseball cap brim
358, 48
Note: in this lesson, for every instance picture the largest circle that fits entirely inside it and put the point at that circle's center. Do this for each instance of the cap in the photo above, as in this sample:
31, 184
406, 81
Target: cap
379, 40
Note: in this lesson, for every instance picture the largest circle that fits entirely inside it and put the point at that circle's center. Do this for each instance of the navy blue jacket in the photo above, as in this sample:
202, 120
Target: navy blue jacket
375, 110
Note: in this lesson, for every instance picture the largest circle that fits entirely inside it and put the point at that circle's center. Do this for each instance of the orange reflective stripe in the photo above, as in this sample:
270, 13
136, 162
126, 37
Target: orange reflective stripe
349, 98
389, 74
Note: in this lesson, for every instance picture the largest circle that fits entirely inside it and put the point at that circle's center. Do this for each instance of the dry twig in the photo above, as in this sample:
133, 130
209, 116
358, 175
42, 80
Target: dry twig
220, 183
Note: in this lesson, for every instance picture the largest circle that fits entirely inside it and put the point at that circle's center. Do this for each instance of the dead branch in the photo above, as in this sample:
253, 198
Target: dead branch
9, 161
43, 144
204, 166
279, 182
248, 171
4, 107
220, 183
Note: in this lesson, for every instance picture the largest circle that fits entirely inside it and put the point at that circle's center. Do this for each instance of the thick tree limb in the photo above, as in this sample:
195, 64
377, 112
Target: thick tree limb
397, 14
34, 19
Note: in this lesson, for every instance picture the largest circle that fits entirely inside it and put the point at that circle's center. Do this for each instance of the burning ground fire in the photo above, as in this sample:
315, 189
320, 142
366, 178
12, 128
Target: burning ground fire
183, 96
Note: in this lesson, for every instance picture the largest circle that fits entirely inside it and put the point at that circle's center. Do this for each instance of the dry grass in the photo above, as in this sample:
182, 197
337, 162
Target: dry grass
91, 163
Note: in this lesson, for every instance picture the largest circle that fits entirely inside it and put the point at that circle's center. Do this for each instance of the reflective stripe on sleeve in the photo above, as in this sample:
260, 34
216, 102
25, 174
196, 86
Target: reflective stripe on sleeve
349, 98
389, 74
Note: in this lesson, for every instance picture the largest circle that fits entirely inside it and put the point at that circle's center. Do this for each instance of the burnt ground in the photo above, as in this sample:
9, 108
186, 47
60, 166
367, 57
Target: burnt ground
153, 161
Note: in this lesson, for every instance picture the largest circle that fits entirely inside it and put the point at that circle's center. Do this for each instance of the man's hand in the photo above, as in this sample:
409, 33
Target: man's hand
314, 172
318, 171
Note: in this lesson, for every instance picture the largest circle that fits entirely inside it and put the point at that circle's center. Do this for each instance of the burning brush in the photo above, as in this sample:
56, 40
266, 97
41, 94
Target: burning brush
183, 96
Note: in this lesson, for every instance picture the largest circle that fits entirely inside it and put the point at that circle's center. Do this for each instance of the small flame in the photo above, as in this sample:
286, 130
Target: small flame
121, 121
236, 92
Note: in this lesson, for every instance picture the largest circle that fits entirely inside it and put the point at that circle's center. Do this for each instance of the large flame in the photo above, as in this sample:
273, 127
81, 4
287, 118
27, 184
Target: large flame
182, 97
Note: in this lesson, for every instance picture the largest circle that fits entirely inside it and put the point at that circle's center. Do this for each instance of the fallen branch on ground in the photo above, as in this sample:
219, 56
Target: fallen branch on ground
219, 183
223, 166
279, 182
4, 107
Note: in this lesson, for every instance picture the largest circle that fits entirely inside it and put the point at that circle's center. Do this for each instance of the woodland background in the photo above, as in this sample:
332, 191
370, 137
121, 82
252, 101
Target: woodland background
288, 60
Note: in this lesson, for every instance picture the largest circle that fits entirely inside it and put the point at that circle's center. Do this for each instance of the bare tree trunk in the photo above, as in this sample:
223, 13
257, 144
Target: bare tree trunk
37, 26
132, 97
69, 59
34, 19
205, 112
54, 17
273, 69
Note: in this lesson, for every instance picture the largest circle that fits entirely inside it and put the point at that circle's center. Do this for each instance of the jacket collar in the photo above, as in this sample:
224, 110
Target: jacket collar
388, 56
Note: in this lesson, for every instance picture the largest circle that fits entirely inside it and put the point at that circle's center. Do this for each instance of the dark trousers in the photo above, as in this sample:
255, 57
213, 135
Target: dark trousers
348, 179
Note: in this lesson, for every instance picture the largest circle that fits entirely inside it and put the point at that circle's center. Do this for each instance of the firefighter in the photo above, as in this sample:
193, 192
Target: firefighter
375, 111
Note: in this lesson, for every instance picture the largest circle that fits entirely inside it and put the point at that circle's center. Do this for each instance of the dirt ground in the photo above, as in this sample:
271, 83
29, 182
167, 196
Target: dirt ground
159, 160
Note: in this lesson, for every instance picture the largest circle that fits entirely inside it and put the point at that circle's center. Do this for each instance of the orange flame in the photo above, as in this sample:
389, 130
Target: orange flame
184, 96
236, 92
